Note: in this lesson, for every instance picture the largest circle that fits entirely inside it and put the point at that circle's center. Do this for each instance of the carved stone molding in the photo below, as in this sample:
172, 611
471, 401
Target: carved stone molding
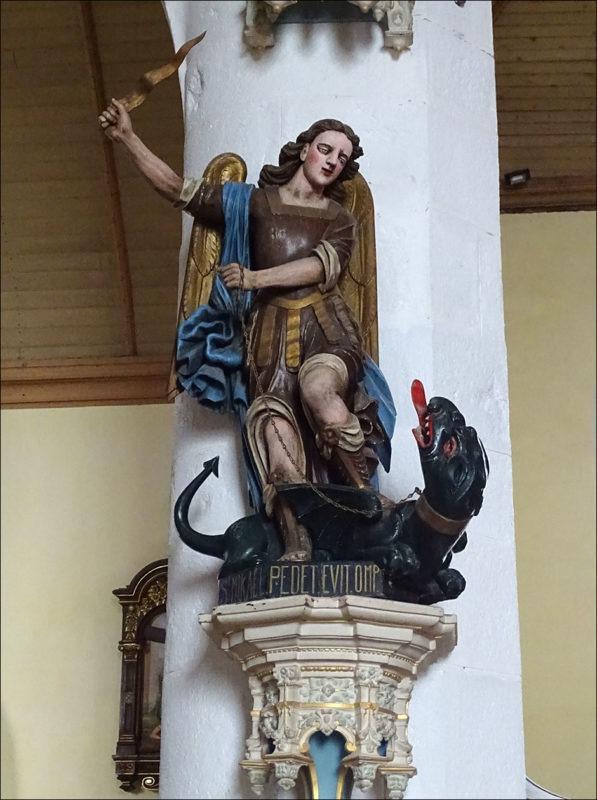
395, 17
344, 664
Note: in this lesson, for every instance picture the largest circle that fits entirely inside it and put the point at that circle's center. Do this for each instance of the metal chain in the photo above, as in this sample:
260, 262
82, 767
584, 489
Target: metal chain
207, 272
271, 420
416, 491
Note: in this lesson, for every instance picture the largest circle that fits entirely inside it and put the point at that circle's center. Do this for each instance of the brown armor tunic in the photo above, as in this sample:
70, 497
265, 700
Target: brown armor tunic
290, 324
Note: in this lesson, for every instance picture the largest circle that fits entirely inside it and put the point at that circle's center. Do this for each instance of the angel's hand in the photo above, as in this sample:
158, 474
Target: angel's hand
237, 277
116, 121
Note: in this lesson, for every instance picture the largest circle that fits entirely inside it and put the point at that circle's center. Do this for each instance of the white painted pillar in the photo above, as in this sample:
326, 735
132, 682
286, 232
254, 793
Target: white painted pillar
427, 123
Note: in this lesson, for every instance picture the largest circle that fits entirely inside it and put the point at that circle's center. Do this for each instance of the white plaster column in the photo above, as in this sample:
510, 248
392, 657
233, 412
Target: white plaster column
427, 123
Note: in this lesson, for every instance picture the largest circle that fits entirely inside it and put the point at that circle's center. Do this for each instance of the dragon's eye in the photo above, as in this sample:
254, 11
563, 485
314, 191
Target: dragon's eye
450, 447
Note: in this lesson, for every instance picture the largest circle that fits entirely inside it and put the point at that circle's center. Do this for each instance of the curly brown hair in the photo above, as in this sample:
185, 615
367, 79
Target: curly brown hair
289, 159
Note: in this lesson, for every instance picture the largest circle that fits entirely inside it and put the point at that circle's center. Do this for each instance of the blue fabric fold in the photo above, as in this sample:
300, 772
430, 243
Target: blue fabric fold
210, 343
377, 387
209, 351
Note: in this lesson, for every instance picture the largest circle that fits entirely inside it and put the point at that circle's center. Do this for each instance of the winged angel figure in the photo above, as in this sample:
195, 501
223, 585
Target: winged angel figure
277, 321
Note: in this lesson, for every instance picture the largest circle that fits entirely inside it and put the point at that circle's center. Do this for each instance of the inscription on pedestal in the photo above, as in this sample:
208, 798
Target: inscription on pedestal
318, 580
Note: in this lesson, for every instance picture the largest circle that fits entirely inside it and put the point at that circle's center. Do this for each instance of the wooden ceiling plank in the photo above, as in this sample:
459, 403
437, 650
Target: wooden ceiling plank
16, 79
543, 168
539, 67
158, 296
67, 96
114, 53
61, 279
555, 140
538, 92
154, 277
532, 129
572, 192
46, 162
112, 179
88, 238
538, 12
549, 56
47, 270
48, 191
27, 234
61, 56
497, 9
547, 44
42, 298
68, 369
139, 13
20, 264
57, 318
40, 170
38, 37
70, 352
116, 392
52, 336
526, 116
36, 11
71, 206
549, 8
547, 21
546, 80
569, 104
541, 30
32, 138
585, 154
135, 34
42, 115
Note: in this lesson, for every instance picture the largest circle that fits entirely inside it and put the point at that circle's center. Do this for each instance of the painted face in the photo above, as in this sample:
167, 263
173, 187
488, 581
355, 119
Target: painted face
325, 158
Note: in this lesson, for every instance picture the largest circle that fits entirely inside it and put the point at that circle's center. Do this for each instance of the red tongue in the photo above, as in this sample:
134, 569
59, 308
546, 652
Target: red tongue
417, 393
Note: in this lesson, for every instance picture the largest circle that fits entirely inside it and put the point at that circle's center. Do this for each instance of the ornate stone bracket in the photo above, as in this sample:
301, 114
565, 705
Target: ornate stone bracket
345, 664
395, 17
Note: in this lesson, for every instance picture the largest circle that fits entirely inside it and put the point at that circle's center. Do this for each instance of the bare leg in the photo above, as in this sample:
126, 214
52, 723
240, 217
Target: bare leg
338, 431
281, 440
279, 461
322, 392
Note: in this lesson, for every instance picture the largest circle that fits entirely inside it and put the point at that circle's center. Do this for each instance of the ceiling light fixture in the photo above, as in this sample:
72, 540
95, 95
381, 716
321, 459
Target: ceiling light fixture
518, 177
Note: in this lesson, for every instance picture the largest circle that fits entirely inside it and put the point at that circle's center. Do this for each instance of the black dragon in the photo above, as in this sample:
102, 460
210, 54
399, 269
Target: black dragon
412, 541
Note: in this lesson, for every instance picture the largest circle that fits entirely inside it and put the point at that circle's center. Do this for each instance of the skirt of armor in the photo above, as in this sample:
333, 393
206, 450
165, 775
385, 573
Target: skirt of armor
283, 339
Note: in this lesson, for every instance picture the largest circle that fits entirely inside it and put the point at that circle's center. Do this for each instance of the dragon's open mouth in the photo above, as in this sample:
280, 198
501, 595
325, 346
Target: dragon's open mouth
423, 433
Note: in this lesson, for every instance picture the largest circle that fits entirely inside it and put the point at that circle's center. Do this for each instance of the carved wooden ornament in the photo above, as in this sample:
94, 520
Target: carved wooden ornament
137, 755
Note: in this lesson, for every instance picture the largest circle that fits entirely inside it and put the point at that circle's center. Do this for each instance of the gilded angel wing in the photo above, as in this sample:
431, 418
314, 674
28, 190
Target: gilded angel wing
206, 243
358, 284
204, 250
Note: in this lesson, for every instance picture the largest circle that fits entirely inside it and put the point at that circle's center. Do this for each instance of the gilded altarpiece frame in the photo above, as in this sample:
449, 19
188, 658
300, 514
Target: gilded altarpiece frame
143, 602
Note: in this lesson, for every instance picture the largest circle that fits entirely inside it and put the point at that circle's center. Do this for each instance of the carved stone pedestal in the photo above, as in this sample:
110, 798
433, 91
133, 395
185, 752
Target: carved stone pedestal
321, 664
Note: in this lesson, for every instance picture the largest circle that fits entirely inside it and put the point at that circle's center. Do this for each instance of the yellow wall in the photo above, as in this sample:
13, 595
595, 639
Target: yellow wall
85, 505
549, 296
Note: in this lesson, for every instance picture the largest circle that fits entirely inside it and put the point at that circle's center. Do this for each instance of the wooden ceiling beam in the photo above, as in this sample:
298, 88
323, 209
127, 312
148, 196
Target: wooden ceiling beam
84, 382
497, 8
560, 193
117, 219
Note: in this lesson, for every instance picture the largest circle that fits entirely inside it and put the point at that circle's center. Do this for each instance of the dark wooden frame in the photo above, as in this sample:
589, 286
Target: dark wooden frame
142, 600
